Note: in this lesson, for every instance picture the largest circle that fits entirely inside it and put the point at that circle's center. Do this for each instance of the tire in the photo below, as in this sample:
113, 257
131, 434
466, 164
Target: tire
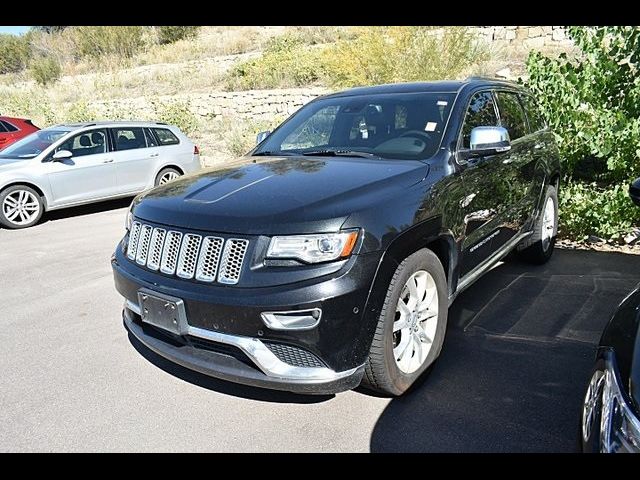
29, 203
590, 436
382, 368
165, 173
539, 247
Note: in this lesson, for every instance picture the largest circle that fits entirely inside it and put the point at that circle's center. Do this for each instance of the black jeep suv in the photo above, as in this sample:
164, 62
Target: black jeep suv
330, 253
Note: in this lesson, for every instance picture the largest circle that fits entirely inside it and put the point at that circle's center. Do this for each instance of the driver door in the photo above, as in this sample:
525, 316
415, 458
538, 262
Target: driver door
89, 174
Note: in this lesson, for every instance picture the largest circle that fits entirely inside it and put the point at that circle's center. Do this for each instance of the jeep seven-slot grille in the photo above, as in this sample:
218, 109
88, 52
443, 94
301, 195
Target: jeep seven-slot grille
187, 255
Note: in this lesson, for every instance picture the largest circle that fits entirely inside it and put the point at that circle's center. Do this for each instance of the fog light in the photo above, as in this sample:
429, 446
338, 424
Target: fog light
293, 320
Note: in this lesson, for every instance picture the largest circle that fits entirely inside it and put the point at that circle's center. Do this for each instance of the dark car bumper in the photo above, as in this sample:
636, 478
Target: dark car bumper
225, 336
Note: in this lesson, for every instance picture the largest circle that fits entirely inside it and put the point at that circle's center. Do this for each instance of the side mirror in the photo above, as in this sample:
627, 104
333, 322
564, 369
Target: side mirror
262, 135
61, 155
486, 141
634, 191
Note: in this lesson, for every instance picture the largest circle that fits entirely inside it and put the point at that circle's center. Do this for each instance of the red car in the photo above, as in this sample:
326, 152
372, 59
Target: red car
13, 129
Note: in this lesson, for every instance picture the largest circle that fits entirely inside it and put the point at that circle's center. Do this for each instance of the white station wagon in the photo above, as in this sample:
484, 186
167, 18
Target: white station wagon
67, 165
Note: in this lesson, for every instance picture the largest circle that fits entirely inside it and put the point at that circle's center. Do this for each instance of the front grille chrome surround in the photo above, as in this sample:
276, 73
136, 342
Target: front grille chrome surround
232, 259
188, 255
207, 259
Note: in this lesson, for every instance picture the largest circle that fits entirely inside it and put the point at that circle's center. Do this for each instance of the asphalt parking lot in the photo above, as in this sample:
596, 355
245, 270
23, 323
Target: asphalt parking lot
510, 379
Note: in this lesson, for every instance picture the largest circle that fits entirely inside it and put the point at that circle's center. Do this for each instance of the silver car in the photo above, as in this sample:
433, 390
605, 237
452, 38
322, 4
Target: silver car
69, 165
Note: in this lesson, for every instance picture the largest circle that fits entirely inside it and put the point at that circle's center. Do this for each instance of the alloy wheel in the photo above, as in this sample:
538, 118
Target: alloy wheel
21, 207
168, 177
548, 223
594, 390
416, 319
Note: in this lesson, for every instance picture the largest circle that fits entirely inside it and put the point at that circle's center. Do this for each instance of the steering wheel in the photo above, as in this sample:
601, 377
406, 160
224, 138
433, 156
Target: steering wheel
419, 134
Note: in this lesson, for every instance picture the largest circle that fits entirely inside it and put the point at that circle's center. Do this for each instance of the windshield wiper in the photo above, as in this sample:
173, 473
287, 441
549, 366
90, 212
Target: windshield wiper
340, 153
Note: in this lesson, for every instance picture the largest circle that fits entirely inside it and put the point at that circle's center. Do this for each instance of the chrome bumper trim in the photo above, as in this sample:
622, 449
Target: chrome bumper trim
263, 358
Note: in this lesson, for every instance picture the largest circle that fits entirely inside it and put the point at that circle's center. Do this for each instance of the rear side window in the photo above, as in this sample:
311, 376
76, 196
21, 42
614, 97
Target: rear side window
166, 136
481, 113
536, 121
151, 140
129, 138
2, 128
8, 126
511, 114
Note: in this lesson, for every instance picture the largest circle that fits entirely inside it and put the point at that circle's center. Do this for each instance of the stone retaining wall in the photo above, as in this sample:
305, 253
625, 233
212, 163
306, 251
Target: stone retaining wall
527, 37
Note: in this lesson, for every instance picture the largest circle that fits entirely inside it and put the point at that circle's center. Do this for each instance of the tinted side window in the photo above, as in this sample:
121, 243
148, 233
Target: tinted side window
9, 127
536, 121
2, 128
129, 138
87, 143
481, 113
151, 140
166, 136
511, 114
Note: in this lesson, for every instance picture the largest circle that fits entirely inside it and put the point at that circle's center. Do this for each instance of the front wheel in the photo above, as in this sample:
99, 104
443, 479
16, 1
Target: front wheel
542, 241
166, 175
411, 326
20, 207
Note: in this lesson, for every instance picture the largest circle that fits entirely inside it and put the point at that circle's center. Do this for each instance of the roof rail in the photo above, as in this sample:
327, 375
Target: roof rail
162, 123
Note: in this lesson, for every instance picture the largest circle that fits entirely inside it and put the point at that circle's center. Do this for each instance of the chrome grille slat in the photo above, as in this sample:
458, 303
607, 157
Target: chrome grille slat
170, 253
134, 236
143, 244
232, 260
155, 248
188, 255
209, 258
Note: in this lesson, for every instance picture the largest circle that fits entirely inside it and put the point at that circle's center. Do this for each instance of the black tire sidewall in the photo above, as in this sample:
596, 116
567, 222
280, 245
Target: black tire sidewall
421, 260
6, 222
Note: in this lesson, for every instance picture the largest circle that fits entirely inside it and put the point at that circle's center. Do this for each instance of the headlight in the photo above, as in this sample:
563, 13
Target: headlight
620, 428
129, 220
313, 248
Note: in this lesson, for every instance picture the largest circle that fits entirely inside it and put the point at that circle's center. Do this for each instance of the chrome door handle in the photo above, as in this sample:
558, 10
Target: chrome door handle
108, 161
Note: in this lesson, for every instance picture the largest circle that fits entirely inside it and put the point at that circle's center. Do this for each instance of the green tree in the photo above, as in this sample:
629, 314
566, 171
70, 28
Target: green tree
593, 101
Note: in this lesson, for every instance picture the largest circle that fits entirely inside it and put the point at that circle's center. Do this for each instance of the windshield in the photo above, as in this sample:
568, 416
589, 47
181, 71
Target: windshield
392, 125
31, 145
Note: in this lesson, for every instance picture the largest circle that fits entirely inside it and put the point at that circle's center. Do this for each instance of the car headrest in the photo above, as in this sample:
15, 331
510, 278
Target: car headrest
85, 141
97, 138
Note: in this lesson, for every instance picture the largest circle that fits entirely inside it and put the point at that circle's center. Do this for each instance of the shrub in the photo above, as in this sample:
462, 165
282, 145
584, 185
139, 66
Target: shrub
593, 102
169, 34
586, 209
398, 54
80, 112
15, 53
285, 62
98, 41
45, 70
179, 114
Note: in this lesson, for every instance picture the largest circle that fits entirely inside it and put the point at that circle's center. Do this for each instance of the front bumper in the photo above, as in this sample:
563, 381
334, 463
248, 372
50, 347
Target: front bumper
326, 359
272, 372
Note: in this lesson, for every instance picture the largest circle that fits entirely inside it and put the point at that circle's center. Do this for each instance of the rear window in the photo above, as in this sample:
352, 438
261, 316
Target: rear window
166, 136
8, 126
536, 122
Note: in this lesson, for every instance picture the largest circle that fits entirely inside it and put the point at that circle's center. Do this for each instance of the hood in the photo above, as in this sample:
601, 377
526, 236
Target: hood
270, 195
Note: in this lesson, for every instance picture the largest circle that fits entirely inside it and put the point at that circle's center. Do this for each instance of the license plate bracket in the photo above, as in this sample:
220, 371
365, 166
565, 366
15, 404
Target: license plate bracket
163, 311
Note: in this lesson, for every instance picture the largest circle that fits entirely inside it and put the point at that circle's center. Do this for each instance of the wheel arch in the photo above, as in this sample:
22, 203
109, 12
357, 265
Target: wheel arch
26, 183
428, 234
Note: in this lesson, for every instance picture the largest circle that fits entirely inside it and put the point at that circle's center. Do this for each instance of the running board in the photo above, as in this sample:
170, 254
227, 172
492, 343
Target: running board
489, 262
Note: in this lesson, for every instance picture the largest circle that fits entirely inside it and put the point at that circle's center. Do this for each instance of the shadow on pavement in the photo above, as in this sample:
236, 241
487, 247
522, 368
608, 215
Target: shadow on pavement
516, 360
221, 386
86, 209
